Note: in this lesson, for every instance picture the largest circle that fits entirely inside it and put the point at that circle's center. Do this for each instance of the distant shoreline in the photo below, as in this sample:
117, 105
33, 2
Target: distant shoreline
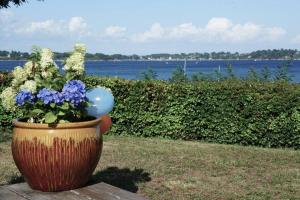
174, 60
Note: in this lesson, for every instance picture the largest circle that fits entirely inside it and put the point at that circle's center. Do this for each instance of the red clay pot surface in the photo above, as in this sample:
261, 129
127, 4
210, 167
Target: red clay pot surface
57, 158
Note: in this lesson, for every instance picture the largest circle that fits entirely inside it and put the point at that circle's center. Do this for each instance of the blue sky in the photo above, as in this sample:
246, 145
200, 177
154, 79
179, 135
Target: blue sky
156, 26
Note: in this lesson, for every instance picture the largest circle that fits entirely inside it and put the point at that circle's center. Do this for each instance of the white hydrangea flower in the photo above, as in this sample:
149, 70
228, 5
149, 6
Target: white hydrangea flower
78, 64
67, 66
75, 63
29, 85
80, 48
47, 74
47, 59
15, 83
19, 75
28, 67
8, 97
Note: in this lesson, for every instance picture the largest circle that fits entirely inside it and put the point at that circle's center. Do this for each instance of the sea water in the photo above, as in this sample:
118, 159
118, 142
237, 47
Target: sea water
164, 69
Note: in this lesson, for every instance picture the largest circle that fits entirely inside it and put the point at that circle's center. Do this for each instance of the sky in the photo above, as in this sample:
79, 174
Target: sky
152, 26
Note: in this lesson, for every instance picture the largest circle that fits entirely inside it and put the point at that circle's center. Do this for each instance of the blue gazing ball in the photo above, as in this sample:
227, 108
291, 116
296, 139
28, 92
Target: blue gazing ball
102, 101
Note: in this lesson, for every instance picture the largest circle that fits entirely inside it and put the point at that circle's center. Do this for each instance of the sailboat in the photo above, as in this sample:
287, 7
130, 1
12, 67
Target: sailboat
184, 66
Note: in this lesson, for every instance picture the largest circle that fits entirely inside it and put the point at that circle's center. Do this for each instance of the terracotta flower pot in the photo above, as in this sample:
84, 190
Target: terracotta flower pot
57, 158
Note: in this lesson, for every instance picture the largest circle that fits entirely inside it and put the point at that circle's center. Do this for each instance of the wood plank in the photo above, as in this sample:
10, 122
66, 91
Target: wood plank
24, 190
109, 192
6, 194
90, 196
100, 191
68, 195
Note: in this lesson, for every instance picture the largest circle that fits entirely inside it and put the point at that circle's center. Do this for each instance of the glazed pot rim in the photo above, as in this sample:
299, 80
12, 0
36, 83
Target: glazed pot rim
84, 124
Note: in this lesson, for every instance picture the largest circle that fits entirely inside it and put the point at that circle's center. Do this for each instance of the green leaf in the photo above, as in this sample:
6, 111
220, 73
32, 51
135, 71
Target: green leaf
52, 105
37, 78
65, 106
37, 111
50, 117
61, 113
39, 103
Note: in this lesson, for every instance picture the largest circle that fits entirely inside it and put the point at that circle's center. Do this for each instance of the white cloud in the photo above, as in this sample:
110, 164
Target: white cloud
275, 32
216, 30
242, 32
156, 32
75, 26
219, 24
78, 25
50, 27
115, 31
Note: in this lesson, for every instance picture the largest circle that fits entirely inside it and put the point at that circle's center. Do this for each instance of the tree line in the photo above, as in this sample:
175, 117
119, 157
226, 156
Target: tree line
285, 54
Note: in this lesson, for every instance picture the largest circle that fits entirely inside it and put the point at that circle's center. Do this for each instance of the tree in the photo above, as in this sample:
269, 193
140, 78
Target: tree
265, 74
281, 73
149, 75
178, 76
229, 72
201, 77
6, 3
252, 75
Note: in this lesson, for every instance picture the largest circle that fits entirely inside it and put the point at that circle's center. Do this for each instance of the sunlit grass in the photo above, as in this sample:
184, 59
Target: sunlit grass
167, 169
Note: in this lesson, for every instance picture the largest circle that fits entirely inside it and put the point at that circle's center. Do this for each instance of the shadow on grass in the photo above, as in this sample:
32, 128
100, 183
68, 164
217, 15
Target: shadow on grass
16, 179
122, 178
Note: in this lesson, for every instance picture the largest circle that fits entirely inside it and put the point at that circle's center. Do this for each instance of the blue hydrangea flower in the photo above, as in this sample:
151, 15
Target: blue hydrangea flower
24, 96
74, 92
50, 96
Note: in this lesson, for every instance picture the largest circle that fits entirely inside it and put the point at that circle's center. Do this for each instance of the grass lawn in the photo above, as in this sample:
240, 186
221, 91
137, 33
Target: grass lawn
167, 169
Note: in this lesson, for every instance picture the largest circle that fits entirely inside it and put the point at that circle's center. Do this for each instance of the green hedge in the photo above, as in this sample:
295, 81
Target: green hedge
231, 112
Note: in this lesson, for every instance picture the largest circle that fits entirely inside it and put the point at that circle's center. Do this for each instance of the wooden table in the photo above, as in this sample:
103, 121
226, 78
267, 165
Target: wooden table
100, 191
